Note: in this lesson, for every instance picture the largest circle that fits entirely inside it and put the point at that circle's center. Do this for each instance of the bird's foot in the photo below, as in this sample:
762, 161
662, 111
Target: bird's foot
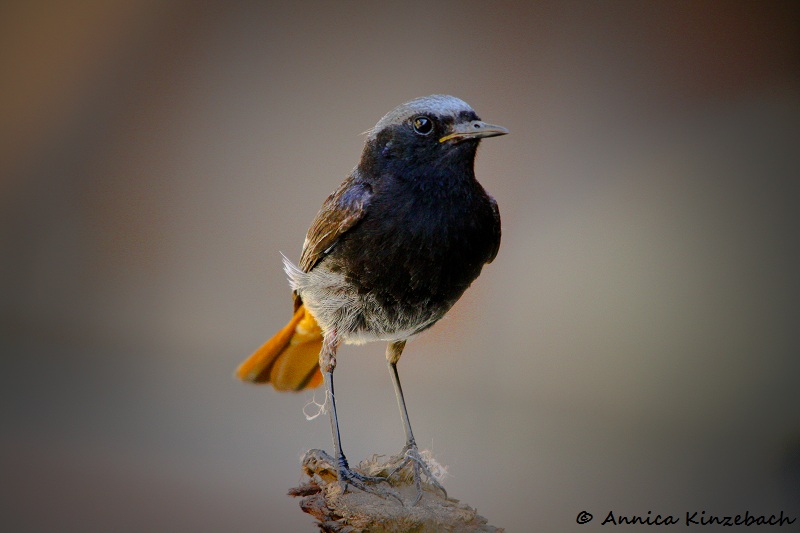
411, 455
347, 477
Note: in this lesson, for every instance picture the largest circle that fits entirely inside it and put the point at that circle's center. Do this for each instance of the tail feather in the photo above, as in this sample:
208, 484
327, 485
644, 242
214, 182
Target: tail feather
290, 359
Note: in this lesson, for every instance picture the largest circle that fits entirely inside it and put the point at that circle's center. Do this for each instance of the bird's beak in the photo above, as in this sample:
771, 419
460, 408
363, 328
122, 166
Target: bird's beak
474, 129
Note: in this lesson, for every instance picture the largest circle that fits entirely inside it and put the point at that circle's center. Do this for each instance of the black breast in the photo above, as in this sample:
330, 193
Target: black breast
420, 244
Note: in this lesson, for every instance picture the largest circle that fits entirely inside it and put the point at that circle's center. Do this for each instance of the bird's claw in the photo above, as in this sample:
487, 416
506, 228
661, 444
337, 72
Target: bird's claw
410, 454
349, 477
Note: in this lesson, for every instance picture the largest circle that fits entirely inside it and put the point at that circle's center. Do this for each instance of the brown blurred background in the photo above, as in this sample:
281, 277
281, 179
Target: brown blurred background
634, 347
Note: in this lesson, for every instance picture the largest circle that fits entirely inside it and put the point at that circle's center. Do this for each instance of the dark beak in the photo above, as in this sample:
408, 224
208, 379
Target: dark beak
475, 129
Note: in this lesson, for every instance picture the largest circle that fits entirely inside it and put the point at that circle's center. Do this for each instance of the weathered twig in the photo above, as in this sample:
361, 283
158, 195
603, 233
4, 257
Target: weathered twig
388, 508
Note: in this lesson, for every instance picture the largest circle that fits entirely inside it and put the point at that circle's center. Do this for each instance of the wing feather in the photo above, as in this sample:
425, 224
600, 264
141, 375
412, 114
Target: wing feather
340, 212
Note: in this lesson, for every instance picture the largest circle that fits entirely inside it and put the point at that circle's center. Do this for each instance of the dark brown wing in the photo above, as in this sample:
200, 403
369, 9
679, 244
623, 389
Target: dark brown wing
497, 231
340, 212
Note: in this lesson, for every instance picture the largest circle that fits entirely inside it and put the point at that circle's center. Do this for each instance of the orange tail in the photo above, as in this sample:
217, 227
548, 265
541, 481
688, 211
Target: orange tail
290, 359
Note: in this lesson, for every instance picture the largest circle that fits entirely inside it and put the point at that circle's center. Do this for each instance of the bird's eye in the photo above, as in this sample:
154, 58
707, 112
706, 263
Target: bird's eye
423, 125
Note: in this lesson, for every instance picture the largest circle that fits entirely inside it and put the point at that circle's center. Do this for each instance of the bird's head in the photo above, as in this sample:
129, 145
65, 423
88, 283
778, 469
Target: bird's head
435, 130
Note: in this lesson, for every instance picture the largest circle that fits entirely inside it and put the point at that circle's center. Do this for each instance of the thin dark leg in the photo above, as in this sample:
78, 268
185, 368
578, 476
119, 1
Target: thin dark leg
410, 451
393, 353
341, 460
327, 362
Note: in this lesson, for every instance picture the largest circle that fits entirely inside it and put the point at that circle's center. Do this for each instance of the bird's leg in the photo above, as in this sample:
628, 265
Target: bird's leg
410, 451
327, 362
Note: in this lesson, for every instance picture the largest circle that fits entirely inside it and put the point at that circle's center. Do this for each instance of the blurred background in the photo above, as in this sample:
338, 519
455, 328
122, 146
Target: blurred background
633, 348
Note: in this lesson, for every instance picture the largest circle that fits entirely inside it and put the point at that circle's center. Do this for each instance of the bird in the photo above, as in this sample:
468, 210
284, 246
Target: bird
387, 255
